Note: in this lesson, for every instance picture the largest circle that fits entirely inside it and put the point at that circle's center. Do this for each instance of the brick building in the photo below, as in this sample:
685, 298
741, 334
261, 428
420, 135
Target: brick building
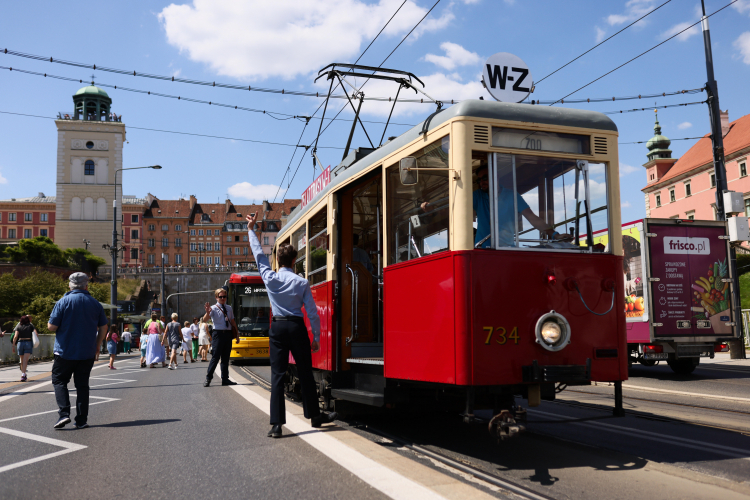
133, 209
685, 188
27, 218
165, 229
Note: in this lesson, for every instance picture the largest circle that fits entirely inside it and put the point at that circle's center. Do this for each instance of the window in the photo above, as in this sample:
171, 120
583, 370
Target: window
672, 198
216, 232
11, 233
178, 227
192, 232
200, 232
229, 251
165, 227
165, 259
688, 191
658, 200
244, 238
27, 233
28, 217
747, 207
90, 145
205, 217
192, 261
236, 238
134, 234
42, 232
192, 247
217, 261
743, 169
244, 226
217, 246
690, 215
416, 231
713, 180
229, 238
319, 247
1, 216
200, 260
244, 250
178, 242
271, 226
151, 259
133, 254
134, 219
178, 258
88, 168
299, 241
200, 247
265, 240
165, 242
236, 250
12, 217
43, 217
151, 227
151, 242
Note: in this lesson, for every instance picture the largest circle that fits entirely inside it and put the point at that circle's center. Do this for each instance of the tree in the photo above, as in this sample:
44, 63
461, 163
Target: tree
39, 250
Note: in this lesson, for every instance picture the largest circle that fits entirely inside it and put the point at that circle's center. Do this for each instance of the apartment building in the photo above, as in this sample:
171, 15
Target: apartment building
133, 209
166, 229
27, 218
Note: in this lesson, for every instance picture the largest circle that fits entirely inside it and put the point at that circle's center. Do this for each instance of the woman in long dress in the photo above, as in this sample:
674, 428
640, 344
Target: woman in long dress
155, 350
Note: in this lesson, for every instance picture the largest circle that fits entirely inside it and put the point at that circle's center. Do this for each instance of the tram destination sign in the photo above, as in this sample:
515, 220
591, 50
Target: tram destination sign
507, 78
316, 187
540, 141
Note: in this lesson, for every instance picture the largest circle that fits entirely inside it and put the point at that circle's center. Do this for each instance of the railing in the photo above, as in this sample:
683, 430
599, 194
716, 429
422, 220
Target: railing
68, 115
182, 269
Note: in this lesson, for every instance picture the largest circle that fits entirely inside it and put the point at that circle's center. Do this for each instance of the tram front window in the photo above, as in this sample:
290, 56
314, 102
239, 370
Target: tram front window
252, 310
526, 201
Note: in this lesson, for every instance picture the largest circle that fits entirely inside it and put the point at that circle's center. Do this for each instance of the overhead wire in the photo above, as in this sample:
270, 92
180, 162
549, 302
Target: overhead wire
603, 41
680, 139
653, 107
643, 53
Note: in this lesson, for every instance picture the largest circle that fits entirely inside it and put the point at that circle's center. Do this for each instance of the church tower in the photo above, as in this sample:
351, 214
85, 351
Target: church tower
89, 150
659, 155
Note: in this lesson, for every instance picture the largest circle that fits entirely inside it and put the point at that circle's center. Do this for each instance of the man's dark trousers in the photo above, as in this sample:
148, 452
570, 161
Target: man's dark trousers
62, 369
291, 336
221, 342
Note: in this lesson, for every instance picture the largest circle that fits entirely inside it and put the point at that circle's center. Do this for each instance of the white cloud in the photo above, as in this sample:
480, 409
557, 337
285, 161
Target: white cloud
742, 6
600, 33
257, 39
3, 180
743, 45
455, 55
256, 193
679, 27
684, 125
633, 10
625, 204
626, 169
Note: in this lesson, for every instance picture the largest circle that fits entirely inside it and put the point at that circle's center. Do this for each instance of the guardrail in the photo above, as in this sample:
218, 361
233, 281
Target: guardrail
184, 269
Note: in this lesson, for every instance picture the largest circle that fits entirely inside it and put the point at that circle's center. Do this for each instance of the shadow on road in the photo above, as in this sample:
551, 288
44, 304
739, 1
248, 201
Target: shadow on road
139, 423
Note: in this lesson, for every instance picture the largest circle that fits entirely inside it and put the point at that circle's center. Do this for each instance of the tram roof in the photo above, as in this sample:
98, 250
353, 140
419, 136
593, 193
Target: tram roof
475, 108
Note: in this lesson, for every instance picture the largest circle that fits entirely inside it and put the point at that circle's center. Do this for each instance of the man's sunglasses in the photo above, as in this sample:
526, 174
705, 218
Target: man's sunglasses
222, 297
483, 178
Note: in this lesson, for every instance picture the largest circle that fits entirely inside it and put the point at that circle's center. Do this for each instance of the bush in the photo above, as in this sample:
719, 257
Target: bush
84, 260
41, 309
40, 250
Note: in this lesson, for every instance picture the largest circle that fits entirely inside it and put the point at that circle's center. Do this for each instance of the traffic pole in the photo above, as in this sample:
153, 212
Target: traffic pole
736, 347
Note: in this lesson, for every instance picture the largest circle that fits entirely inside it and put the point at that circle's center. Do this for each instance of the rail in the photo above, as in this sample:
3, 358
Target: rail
128, 271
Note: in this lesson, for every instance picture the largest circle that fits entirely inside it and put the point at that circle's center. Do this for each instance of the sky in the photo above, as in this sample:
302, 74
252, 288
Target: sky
283, 44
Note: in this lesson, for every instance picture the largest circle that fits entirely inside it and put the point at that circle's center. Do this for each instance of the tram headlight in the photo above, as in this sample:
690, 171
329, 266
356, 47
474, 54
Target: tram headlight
552, 331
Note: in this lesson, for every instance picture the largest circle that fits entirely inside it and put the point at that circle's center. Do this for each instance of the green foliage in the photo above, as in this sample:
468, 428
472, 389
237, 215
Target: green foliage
745, 291
84, 260
100, 291
40, 250
41, 309
743, 263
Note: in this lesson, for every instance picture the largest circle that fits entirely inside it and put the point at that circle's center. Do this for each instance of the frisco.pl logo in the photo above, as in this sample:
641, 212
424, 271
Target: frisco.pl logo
683, 245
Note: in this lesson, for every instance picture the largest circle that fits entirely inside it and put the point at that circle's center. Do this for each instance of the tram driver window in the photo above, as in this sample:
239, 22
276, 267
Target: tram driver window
418, 214
299, 242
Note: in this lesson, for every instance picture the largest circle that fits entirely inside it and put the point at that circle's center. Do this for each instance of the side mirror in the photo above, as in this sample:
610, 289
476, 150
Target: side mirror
408, 177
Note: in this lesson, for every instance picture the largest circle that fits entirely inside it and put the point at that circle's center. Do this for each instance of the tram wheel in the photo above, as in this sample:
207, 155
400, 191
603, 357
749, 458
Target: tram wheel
683, 366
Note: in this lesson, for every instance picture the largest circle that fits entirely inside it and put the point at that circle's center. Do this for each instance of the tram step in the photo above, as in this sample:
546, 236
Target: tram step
358, 396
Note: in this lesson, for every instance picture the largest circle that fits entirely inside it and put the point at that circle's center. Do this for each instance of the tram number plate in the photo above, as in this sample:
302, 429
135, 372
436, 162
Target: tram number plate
500, 334
703, 323
683, 325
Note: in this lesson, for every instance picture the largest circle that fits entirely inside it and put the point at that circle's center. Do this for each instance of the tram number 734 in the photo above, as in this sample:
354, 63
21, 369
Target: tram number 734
501, 334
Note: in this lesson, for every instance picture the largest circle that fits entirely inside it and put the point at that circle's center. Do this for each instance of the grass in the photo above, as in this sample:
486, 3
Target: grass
126, 287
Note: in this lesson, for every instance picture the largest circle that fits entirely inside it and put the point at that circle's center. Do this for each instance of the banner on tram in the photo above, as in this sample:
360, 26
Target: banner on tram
316, 187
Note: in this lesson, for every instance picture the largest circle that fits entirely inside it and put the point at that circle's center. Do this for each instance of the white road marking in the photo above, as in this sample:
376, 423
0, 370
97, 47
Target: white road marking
653, 436
67, 448
24, 390
682, 393
55, 411
376, 475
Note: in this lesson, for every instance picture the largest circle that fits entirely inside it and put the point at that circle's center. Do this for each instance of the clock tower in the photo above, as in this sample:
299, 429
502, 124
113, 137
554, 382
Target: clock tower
89, 150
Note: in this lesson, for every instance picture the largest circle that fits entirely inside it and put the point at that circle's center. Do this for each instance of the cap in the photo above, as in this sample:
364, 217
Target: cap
78, 278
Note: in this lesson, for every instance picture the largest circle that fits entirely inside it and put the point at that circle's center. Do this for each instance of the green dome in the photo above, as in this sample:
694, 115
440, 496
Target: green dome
658, 145
93, 91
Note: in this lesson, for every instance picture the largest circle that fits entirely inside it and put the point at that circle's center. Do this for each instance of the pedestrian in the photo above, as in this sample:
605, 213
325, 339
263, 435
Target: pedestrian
204, 339
195, 328
155, 350
173, 338
225, 329
126, 338
23, 342
80, 325
112, 339
288, 293
187, 343
143, 344
163, 325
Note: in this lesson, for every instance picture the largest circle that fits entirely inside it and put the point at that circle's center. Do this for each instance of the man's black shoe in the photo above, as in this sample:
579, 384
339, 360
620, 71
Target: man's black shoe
323, 418
82, 426
275, 431
206, 383
228, 382
62, 423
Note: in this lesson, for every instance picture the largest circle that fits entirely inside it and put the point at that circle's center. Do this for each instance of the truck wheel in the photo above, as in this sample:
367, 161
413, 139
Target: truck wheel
647, 362
684, 366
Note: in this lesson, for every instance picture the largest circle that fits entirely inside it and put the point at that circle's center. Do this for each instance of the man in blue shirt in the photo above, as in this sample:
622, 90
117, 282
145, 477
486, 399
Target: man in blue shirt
288, 293
80, 325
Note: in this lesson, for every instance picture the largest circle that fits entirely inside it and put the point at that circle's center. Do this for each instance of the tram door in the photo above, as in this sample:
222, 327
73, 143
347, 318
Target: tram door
359, 270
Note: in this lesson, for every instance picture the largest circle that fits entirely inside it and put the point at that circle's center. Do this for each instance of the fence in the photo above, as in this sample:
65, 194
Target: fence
45, 349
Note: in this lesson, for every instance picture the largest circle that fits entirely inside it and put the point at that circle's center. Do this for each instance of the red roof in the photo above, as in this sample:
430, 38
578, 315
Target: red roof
701, 154
169, 208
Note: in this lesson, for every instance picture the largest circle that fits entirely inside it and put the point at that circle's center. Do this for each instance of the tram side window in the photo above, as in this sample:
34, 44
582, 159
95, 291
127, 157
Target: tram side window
418, 215
318, 247
299, 242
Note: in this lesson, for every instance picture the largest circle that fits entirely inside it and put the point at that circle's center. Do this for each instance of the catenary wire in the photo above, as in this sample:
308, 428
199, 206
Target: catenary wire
603, 41
290, 161
680, 139
653, 107
644, 53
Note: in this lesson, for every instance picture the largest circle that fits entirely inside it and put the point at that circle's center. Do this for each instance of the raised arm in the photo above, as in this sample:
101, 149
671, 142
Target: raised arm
264, 267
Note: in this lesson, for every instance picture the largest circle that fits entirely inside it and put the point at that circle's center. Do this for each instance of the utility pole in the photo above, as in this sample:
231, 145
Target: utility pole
161, 292
736, 347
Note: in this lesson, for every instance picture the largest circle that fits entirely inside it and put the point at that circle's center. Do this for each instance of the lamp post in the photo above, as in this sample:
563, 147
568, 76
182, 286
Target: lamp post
113, 248
87, 243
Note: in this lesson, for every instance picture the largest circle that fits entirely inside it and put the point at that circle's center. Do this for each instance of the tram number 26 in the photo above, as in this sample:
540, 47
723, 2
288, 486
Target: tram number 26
501, 335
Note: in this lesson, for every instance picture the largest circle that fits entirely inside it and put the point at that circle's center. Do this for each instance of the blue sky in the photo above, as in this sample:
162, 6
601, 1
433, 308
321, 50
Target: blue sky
282, 44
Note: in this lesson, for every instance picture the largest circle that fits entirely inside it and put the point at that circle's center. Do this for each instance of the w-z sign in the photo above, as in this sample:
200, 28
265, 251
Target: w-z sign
507, 78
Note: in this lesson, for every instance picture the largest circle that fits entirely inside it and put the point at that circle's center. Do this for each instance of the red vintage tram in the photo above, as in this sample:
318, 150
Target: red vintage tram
429, 292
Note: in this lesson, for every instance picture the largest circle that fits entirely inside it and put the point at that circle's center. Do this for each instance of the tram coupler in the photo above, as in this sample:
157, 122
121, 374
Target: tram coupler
504, 425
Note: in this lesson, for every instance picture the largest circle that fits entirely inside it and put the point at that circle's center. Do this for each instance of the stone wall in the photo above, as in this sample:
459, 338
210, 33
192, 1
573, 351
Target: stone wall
190, 305
46, 346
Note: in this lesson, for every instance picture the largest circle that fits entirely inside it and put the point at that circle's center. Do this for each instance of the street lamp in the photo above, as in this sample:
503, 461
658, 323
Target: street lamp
113, 248
87, 243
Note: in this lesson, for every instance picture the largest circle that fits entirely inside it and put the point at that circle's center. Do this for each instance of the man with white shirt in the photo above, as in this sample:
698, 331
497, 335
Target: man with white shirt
195, 329
225, 329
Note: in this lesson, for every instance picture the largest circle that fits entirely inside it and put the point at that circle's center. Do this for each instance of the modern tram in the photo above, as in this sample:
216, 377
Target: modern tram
252, 311
420, 308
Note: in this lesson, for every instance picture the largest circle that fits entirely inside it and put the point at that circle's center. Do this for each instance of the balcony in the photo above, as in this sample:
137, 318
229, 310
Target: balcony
72, 115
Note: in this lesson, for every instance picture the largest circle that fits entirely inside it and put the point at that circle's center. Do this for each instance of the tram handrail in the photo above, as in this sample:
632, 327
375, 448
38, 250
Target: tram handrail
355, 293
